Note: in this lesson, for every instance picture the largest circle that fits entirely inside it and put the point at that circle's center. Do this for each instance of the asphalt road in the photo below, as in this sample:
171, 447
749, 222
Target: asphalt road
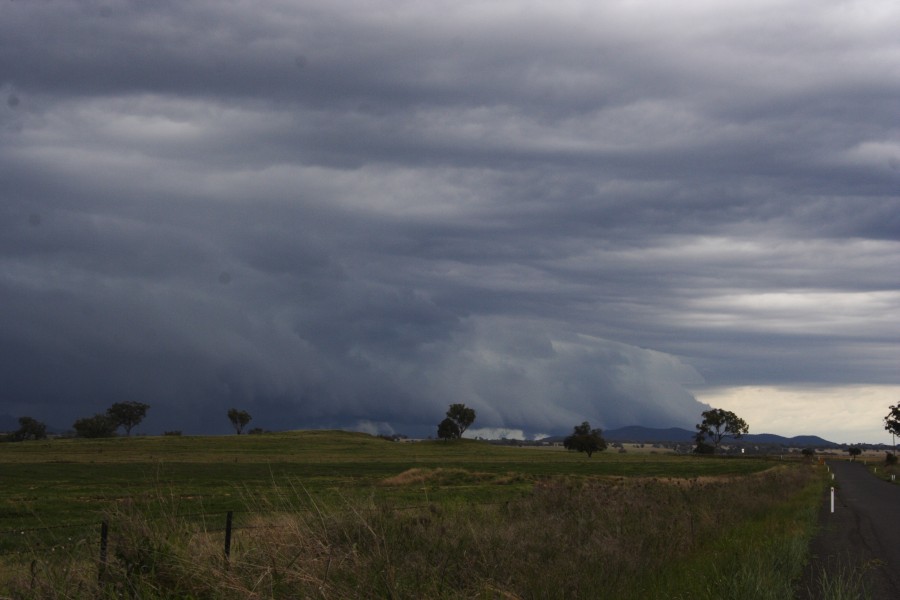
861, 539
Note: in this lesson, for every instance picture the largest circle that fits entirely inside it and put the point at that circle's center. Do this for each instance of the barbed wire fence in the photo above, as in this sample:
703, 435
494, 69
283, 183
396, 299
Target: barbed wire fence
44, 543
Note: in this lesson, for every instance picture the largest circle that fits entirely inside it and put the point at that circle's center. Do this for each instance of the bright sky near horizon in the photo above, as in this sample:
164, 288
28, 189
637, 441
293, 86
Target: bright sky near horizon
352, 214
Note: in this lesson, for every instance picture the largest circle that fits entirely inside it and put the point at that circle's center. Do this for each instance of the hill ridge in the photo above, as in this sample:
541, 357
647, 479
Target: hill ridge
639, 433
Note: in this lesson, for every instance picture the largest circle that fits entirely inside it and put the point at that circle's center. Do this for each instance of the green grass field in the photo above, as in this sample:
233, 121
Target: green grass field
72, 480
372, 503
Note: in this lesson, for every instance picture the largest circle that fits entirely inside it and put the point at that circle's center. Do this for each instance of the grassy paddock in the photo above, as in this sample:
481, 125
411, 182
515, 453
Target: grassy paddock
61, 482
336, 515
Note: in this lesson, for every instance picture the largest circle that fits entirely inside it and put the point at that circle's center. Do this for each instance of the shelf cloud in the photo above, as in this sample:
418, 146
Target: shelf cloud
353, 214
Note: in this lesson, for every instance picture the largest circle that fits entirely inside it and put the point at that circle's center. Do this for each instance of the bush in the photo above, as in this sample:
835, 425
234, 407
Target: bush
704, 448
98, 426
890, 458
29, 429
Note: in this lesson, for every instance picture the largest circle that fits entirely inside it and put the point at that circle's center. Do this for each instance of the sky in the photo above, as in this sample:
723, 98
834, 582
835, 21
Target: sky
351, 214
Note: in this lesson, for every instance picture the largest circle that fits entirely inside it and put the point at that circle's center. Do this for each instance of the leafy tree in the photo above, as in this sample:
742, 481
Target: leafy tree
585, 439
127, 414
890, 458
29, 429
239, 419
854, 451
718, 423
462, 416
448, 430
892, 420
701, 446
98, 426
808, 452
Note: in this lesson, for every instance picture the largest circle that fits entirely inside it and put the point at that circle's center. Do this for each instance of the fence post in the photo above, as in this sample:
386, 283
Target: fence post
228, 518
104, 542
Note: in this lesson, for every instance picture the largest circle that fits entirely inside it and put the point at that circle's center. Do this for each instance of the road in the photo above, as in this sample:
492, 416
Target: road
862, 536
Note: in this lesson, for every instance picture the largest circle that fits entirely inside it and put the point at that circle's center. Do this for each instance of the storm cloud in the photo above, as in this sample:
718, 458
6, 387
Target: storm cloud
351, 214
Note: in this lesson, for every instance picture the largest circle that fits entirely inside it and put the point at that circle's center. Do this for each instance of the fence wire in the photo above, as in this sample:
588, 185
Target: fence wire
32, 538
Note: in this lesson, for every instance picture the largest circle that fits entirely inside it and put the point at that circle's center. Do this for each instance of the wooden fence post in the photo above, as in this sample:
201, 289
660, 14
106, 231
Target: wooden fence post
104, 543
228, 519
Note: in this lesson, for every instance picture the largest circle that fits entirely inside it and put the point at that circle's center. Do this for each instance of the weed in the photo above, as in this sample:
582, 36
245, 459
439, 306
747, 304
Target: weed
842, 583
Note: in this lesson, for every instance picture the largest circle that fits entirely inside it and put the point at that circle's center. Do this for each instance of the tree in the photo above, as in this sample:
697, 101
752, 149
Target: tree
892, 420
854, 451
448, 430
585, 439
239, 419
718, 423
98, 426
127, 414
29, 429
808, 453
462, 416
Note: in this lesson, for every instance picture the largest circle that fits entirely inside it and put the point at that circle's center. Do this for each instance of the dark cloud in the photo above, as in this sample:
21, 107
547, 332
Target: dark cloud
352, 214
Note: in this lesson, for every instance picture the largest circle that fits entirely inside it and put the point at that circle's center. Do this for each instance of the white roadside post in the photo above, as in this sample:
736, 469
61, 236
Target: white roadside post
832, 500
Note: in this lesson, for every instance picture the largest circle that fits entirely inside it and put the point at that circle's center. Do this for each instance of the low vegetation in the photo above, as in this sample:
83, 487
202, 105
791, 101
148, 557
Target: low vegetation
333, 515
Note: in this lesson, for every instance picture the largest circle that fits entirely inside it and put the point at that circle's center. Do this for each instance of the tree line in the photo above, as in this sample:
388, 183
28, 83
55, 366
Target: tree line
717, 424
121, 415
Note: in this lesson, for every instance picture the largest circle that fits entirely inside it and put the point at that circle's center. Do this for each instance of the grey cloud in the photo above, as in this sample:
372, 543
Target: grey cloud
351, 214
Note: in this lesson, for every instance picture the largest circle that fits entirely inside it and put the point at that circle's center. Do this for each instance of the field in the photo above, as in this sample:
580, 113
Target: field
337, 515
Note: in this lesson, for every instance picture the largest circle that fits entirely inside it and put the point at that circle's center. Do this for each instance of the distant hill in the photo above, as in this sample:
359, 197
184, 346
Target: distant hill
796, 441
636, 433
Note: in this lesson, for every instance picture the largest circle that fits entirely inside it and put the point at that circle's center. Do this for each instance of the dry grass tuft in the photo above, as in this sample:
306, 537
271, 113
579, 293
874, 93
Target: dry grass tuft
441, 476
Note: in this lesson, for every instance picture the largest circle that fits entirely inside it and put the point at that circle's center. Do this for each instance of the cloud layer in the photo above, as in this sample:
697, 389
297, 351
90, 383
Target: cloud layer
352, 214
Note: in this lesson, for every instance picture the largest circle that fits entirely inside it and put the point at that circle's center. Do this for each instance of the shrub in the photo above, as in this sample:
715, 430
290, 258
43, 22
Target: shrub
98, 426
704, 448
29, 429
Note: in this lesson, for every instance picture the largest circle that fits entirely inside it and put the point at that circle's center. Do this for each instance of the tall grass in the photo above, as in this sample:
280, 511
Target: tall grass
570, 537
842, 582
